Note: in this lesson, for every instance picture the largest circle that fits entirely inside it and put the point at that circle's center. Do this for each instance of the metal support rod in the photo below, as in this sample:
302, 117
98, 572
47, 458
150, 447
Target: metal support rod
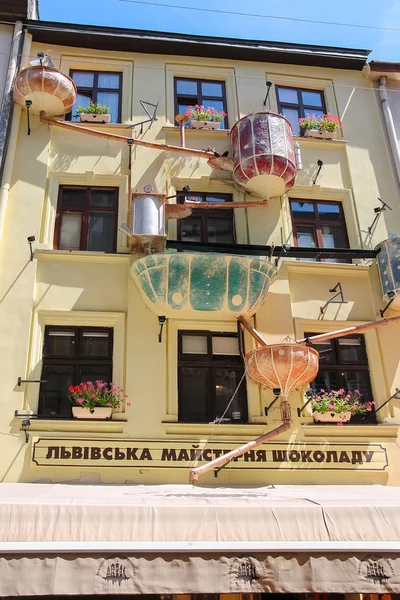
320, 165
377, 212
226, 205
300, 410
268, 408
28, 119
332, 300
21, 381
247, 325
322, 337
382, 312
161, 322
219, 462
122, 138
394, 396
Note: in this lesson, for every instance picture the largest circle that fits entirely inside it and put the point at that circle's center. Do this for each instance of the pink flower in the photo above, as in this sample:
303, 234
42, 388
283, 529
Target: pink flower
80, 400
128, 404
340, 423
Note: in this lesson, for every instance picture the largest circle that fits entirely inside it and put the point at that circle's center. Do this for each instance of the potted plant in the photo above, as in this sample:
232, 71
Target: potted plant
324, 127
201, 117
336, 406
95, 400
94, 113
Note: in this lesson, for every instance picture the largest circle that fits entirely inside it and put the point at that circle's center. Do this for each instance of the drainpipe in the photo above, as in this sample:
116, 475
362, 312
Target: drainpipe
387, 115
10, 143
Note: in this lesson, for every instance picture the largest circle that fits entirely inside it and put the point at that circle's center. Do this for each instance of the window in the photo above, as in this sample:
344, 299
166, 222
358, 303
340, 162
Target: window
210, 367
319, 225
86, 219
72, 355
189, 92
294, 103
208, 225
344, 364
100, 87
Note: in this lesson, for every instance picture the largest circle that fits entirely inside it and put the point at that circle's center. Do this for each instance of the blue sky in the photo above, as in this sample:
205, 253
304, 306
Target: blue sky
117, 13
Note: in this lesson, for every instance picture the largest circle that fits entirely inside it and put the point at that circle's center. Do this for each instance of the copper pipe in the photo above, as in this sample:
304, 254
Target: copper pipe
342, 332
182, 119
247, 325
225, 458
229, 205
122, 138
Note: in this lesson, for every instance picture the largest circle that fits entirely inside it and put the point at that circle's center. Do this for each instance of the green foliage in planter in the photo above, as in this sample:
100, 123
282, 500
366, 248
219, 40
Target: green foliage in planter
93, 109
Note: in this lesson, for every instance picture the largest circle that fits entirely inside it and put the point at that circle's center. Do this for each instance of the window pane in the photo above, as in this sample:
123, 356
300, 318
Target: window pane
218, 105
292, 115
306, 236
312, 111
210, 88
351, 350
325, 350
358, 380
288, 95
110, 99
95, 344
73, 197
60, 343
329, 212
193, 393
81, 100
191, 229
333, 237
94, 372
186, 87
70, 232
194, 344
108, 80
54, 400
325, 380
225, 345
226, 382
104, 198
303, 210
220, 230
83, 79
312, 98
215, 199
101, 232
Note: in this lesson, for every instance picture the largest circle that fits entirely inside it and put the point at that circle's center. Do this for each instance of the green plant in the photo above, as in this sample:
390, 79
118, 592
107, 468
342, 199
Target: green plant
93, 109
338, 402
325, 123
201, 113
99, 394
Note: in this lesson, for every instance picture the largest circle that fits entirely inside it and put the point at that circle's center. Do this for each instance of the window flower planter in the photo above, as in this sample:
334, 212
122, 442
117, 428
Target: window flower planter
94, 118
317, 134
205, 124
331, 417
99, 412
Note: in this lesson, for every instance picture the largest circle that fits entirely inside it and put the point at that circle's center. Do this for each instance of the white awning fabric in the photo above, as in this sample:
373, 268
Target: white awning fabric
171, 539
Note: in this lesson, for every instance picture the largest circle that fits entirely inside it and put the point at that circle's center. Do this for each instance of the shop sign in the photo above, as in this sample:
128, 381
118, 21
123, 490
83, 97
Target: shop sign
157, 454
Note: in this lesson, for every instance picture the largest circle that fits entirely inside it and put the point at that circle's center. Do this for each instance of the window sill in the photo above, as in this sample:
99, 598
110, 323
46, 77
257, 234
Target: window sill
122, 126
77, 425
215, 133
228, 429
324, 268
378, 430
80, 256
320, 142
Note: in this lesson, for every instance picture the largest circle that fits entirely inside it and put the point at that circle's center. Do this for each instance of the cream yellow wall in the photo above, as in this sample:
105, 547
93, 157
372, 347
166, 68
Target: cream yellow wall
84, 288
6, 32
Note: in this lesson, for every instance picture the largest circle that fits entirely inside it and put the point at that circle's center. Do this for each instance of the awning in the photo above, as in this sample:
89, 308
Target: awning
172, 539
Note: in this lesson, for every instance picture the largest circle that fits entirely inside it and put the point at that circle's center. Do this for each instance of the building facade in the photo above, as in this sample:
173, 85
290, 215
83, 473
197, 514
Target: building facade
80, 308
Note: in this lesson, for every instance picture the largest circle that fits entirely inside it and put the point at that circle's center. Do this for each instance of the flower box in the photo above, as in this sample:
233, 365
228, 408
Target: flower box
331, 417
317, 134
205, 124
94, 118
99, 412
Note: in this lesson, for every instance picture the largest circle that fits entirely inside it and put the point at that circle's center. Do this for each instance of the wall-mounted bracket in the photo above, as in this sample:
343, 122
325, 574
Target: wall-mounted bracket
25, 426
28, 104
31, 239
300, 410
277, 393
392, 296
269, 84
151, 119
332, 300
161, 322
378, 210
393, 397
21, 381
320, 164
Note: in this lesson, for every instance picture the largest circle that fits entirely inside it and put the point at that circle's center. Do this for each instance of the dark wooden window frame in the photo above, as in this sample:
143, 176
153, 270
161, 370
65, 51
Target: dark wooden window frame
77, 361
211, 362
302, 108
339, 366
205, 213
85, 211
192, 100
317, 222
91, 92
